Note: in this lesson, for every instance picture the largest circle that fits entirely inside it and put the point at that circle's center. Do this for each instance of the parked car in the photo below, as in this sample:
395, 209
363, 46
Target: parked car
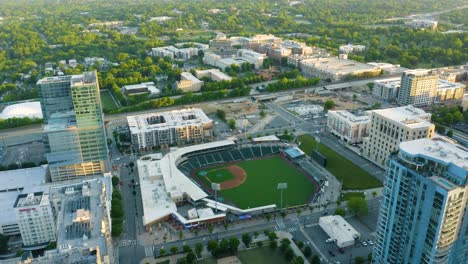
370, 242
364, 243
341, 250
331, 253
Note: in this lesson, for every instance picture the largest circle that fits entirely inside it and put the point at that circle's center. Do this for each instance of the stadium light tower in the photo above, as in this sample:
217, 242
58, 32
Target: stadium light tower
281, 187
216, 187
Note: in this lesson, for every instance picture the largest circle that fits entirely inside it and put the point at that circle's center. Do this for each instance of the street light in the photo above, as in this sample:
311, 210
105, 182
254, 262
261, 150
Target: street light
281, 187
216, 187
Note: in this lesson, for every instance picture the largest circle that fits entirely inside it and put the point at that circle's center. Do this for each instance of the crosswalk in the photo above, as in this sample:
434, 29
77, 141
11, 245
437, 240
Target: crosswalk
126, 243
291, 224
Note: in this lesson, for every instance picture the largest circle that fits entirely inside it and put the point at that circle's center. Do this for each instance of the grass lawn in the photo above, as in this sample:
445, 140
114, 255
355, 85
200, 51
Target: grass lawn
107, 102
217, 175
262, 255
353, 177
347, 196
263, 176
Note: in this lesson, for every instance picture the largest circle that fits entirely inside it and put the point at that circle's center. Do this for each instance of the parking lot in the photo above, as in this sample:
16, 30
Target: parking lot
350, 253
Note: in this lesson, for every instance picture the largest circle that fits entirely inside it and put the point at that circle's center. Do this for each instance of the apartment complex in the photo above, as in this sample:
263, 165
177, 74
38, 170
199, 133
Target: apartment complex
189, 83
350, 48
349, 127
35, 218
389, 89
423, 216
418, 88
169, 128
389, 127
73, 126
175, 53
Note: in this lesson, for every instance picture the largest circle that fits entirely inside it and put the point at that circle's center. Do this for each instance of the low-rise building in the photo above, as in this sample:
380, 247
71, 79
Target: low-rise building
350, 48
142, 88
252, 57
349, 127
213, 74
335, 69
169, 128
447, 91
422, 24
339, 230
189, 83
389, 127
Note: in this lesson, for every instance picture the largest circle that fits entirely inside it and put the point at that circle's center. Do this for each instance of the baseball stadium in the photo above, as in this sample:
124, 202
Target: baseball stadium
179, 184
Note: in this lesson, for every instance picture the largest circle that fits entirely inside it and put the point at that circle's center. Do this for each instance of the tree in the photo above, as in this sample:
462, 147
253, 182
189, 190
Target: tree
190, 258
315, 260
369, 257
246, 239
262, 114
307, 251
284, 244
329, 104
358, 205
234, 244
3, 244
224, 245
340, 211
198, 249
298, 260
289, 253
448, 119
259, 244
300, 244
131, 164
210, 228
359, 260
221, 114
186, 248
232, 123
273, 244
115, 180
212, 246
162, 252
174, 249
450, 133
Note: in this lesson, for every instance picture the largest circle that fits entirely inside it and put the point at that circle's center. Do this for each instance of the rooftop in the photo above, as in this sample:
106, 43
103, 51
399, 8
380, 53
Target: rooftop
438, 149
165, 120
339, 229
354, 118
148, 85
31, 199
408, 116
446, 85
29, 109
266, 139
82, 221
188, 76
339, 66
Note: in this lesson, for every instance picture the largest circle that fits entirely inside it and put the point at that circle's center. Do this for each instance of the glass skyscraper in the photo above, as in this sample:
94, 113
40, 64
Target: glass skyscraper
74, 132
423, 215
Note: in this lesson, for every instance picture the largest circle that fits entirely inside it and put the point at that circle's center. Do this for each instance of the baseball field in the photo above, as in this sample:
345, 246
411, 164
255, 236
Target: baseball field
253, 183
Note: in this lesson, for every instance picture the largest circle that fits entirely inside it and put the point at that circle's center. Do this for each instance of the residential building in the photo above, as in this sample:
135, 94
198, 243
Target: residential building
12, 184
142, 88
423, 215
349, 127
386, 89
213, 74
175, 53
448, 91
169, 128
189, 83
418, 87
35, 218
350, 48
422, 24
74, 135
389, 127
252, 57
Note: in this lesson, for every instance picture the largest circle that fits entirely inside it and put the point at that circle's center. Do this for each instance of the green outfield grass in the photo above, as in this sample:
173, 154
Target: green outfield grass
353, 177
107, 102
263, 176
216, 175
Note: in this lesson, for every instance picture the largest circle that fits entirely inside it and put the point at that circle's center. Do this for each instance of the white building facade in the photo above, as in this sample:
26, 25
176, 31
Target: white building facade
347, 126
35, 218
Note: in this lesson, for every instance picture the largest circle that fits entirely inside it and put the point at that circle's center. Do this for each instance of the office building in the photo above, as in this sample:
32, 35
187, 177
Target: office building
142, 88
73, 126
349, 127
418, 88
35, 218
389, 127
189, 83
213, 74
423, 216
336, 69
169, 128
